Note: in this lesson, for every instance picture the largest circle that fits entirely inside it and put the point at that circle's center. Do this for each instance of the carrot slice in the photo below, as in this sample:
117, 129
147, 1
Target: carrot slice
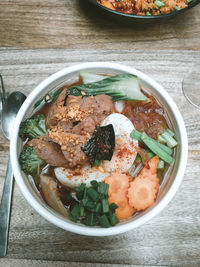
142, 193
117, 182
150, 171
124, 210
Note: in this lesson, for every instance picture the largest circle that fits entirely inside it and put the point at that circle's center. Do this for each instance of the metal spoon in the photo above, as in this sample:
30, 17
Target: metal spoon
10, 109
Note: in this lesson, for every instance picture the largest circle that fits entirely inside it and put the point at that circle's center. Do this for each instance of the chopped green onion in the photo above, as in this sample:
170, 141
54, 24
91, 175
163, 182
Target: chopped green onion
188, 1
103, 188
176, 8
82, 211
170, 132
156, 149
112, 218
113, 207
94, 183
93, 194
148, 13
105, 206
161, 139
137, 135
93, 207
103, 220
89, 219
138, 159
84, 201
98, 208
75, 213
167, 149
159, 3
97, 162
161, 164
90, 206
171, 142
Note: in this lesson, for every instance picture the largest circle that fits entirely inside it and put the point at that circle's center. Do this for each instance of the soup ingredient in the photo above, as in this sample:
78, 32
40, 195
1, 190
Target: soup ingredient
117, 182
119, 87
118, 189
74, 177
161, 165
30, 162
150, 170
90, 77
168, 138
51, 194
156, 149
142, 193
48, 151
143, 189
100, 145
125, 149
137, 135
48, 98
147, 116
93, 208
33, 127
124, 210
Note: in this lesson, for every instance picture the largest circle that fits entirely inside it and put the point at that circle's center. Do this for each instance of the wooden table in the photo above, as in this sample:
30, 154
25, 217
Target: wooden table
39, 38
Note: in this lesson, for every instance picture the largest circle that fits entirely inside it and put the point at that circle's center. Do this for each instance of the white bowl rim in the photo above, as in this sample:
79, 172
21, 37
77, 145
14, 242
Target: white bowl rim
91, 231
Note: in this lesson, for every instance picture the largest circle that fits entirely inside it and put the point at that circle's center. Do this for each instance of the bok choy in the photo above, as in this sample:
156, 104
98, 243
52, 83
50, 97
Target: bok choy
119, 87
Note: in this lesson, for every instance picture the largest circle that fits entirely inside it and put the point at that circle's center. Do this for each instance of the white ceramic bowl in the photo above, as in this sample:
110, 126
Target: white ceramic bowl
169, 185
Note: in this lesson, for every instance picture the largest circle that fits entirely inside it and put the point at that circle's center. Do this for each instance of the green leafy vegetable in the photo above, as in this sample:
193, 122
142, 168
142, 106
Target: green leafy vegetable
30, 162
89, 77
119, 87
100, 145
33, 127
48, 98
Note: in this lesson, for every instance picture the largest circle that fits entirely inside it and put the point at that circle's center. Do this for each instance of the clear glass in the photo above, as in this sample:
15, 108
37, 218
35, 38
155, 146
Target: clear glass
191, 86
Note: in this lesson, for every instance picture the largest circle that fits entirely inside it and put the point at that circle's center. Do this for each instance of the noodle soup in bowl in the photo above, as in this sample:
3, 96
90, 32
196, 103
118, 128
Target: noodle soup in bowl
77, 216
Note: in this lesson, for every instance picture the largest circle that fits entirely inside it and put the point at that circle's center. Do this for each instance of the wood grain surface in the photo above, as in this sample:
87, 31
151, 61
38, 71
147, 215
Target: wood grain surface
170, 239
73, 24
38, 38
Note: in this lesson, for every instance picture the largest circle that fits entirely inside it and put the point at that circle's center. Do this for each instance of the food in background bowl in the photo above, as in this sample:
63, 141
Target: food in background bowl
98, 149
144, 7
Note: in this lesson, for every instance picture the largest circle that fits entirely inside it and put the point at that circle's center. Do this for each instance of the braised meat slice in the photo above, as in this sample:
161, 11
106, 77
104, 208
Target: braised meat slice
56, 110
98, 107
70, 146
49, 151
85, 127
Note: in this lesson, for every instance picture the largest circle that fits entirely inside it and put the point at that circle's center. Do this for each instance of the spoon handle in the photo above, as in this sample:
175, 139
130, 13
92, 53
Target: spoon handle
5, 210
